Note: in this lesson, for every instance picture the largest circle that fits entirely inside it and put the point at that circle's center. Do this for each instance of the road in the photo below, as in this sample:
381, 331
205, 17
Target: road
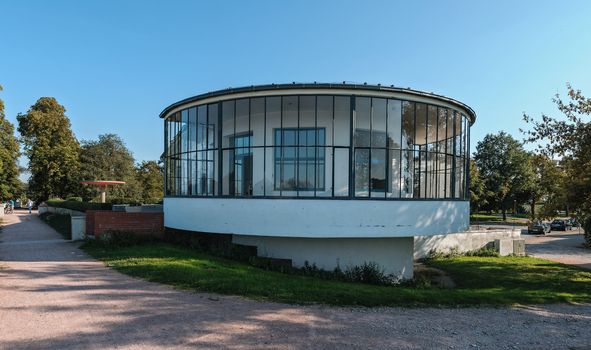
561, 246
53, 296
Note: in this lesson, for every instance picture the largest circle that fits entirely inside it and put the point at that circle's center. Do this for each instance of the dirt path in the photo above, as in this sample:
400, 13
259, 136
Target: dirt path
565, 247
52, 296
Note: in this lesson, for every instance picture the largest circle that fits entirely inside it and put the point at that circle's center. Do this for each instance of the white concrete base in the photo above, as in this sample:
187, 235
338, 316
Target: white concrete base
394, 255
463, 241
316, 218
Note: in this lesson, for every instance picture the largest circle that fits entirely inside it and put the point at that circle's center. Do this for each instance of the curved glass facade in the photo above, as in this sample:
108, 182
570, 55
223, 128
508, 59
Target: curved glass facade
324, 146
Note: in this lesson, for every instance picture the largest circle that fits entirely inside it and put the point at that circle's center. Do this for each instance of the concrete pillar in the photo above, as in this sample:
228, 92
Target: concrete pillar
103, 194
78, 227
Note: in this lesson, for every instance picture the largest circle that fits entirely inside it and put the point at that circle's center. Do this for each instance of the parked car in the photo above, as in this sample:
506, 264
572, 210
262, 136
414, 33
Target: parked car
538, 227
561, 225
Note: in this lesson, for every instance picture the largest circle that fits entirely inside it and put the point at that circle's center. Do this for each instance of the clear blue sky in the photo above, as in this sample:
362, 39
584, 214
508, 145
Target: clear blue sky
115, 65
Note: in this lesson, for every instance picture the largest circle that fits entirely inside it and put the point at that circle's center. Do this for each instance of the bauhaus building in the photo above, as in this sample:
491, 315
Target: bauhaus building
332, 174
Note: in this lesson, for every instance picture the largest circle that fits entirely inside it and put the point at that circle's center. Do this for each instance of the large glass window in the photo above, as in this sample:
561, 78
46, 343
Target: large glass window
317, 146
297, 157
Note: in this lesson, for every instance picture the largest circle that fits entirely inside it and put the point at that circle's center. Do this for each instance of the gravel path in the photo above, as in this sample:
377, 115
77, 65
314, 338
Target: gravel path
52, 296
565, 247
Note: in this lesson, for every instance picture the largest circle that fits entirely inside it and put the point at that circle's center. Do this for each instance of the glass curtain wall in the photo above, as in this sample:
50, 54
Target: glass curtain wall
317, 146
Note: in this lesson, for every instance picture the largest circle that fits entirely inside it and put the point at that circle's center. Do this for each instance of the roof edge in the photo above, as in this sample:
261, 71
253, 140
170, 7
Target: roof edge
269, 87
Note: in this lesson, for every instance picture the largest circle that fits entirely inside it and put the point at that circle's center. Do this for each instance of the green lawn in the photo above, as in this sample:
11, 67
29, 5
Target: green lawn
517, 220
494, 281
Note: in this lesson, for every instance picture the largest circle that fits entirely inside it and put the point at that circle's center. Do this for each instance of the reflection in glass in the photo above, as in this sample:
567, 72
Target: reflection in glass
362, 121
362, 172
378, 122
342, 121
378, 173
394, 123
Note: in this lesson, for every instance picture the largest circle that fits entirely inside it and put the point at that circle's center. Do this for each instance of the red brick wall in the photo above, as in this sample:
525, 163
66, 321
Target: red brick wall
99, 221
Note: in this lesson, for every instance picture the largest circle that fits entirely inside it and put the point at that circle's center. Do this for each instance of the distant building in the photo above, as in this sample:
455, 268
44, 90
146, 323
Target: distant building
332, 174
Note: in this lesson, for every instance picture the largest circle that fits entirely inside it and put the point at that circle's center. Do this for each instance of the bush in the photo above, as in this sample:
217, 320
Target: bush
369, 273
120, 239
483, 252
486, 251
78, 206
74, 199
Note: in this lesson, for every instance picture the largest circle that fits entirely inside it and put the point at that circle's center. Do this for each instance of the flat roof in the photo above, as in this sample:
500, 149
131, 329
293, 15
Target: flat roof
348, 86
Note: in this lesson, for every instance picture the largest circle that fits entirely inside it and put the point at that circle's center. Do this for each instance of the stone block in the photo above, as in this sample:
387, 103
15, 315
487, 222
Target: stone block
519, 247
504, 246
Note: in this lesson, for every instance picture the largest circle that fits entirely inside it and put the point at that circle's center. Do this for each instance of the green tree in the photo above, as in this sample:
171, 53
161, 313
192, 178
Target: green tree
108, 159
478, 192
10, 185
150, 178
51, 147
505, 167
546, 186
569, 138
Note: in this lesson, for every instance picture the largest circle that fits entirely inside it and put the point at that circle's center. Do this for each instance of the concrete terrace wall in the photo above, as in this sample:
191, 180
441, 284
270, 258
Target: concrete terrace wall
463, 241
316, 218
394, 255
99, 221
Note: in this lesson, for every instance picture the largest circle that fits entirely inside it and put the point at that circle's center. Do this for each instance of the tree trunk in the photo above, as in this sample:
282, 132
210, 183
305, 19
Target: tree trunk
504, 213
533, 210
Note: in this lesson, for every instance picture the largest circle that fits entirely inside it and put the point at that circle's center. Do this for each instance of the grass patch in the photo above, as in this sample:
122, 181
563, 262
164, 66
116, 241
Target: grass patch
518, 219
480, 280
60, 223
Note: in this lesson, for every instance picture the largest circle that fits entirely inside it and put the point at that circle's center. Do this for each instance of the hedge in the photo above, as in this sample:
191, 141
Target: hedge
79, 206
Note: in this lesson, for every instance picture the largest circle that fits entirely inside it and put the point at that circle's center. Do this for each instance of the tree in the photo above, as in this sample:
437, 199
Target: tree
108, 159
505, 167
10, 185
546, 186
51, 147
478, 192
568, 137
150, 178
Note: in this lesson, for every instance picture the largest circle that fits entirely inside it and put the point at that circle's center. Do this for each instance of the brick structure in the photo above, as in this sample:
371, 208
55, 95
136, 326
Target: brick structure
100, 221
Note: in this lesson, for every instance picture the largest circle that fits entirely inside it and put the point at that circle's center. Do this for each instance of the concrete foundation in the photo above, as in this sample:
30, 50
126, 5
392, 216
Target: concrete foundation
394, 255
463, 241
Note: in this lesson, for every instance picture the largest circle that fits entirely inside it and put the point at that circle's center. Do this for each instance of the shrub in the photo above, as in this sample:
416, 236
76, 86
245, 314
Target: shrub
74, 199
486, 251
369, 273
483, 252
78, 206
